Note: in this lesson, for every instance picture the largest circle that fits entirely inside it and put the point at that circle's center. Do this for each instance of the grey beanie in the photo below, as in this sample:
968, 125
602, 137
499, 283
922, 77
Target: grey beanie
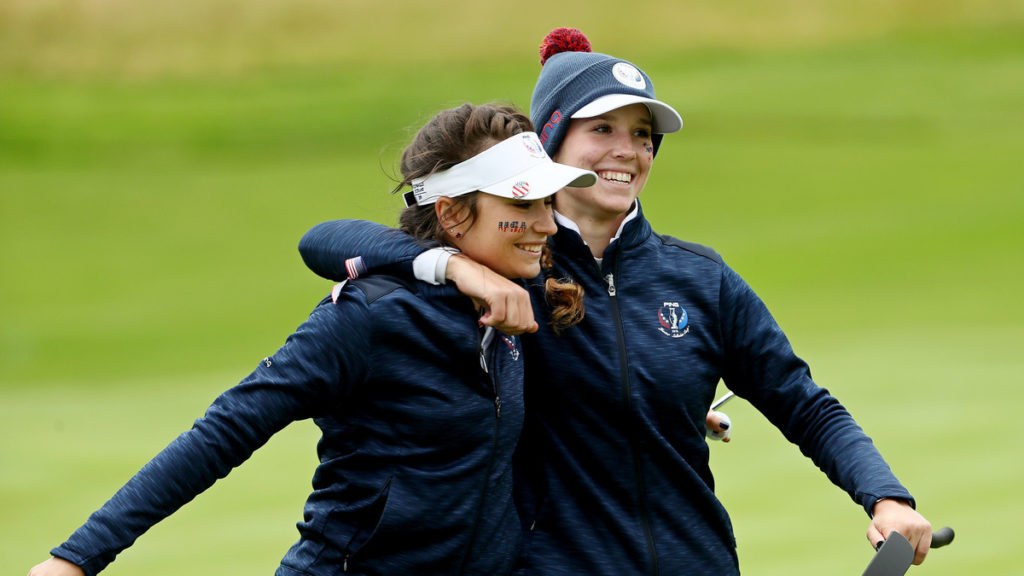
571, 82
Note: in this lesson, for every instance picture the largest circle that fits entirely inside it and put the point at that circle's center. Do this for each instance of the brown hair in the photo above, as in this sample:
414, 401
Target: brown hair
563, 296
456, 135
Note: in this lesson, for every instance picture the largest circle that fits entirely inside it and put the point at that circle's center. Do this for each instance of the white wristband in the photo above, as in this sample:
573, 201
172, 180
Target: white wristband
430, 266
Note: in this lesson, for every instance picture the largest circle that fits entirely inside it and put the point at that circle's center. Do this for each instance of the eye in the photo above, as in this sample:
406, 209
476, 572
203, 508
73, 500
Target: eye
602, 128
642, 133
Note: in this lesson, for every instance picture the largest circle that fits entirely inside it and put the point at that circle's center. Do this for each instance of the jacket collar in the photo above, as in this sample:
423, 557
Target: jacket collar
633, 232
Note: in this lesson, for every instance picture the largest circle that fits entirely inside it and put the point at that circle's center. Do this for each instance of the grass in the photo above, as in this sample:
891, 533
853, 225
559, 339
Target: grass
859, 165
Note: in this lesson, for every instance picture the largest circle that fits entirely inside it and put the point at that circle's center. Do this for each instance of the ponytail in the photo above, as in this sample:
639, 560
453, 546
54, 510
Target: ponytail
563, 296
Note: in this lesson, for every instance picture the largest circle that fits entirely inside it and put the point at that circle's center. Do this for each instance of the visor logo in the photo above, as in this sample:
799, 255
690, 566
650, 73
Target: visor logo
533, 145
418, 189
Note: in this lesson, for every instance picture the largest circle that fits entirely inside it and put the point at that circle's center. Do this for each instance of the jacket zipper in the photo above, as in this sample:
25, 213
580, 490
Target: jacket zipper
494, 438
627, 399
487, 343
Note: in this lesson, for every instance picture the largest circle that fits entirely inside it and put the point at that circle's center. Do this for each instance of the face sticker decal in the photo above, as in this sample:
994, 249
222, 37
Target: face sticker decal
511, 226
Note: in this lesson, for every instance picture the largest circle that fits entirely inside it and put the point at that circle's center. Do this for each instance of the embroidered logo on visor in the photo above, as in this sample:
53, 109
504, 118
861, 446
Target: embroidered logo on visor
534, 147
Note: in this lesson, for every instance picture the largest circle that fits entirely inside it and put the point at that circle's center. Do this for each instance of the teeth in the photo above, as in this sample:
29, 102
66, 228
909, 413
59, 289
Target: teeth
623, 177
536, 248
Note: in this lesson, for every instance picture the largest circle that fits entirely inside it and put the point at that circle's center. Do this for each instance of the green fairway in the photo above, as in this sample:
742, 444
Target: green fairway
860, 167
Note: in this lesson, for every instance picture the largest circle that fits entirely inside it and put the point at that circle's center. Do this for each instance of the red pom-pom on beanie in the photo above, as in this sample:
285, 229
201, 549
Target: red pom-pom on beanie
563, 40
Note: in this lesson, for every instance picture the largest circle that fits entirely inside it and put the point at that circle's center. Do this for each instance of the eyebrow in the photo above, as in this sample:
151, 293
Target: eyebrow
609, 115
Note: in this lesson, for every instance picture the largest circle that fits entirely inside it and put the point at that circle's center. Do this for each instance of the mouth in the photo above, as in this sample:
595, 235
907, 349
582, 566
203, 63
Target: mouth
531, 249
616, 177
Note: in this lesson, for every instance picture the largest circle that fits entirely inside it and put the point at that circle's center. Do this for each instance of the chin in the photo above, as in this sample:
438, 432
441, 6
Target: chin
530, 272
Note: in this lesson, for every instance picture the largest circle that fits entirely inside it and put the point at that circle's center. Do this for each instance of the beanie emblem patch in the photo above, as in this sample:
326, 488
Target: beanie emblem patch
628, 75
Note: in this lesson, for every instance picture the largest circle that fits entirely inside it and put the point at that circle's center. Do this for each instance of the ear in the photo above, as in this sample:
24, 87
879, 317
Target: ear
451, 212
444, 210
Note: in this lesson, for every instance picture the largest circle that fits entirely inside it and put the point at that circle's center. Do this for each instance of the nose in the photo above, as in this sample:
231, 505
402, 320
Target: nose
544, 222
623, 146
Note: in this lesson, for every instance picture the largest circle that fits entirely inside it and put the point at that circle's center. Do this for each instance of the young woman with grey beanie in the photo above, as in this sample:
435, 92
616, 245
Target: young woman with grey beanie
613, 472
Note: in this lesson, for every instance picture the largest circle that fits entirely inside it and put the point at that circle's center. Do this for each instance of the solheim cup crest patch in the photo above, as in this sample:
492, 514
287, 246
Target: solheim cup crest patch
673, 320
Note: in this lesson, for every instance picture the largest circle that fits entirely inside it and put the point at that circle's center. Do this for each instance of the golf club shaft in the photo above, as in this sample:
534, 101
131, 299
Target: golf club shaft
718, 403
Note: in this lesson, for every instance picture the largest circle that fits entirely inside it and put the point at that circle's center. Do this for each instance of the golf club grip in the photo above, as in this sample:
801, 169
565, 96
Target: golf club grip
942, 536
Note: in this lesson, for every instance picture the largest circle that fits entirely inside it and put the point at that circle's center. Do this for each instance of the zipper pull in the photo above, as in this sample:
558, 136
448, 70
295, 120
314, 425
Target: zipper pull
485, 345
611, 284
497, 406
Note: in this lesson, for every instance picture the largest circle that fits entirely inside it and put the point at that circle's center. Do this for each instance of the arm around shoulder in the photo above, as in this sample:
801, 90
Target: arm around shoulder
343, 249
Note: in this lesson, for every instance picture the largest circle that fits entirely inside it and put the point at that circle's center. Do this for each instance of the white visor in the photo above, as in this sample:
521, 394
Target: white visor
664, 118
518, 167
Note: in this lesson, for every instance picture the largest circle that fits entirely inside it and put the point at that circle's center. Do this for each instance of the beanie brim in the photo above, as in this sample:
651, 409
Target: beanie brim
664, 118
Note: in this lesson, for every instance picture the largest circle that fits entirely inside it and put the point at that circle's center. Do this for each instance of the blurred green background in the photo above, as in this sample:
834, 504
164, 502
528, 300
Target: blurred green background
859, 164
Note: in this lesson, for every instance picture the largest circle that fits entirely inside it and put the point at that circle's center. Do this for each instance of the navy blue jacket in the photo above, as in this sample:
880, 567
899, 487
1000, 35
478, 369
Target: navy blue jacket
419, 428
612, 474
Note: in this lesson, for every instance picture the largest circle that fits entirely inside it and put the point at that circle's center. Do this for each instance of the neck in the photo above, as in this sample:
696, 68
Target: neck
597, 233
598, 237
596, 228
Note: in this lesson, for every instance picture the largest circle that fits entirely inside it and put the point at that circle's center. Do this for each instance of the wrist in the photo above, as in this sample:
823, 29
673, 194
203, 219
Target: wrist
456, 266
891, 503
431, 265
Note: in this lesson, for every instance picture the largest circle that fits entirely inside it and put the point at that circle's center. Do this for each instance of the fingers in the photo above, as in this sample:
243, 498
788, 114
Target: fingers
505, 304
717, 426
875, 537
511, 313
895, 515
922, 548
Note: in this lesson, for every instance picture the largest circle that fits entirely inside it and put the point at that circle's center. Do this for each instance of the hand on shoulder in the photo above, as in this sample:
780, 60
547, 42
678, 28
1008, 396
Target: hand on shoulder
505, 304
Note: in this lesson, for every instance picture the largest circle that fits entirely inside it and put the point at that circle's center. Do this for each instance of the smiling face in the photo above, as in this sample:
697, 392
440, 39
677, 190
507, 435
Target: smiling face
618, 146
507, 234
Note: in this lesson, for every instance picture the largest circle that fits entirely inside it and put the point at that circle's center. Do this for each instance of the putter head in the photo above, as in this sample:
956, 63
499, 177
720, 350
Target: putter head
893, 558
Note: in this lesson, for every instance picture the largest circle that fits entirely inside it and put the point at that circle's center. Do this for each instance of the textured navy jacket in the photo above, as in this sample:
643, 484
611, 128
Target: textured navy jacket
613, 475
419, 422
